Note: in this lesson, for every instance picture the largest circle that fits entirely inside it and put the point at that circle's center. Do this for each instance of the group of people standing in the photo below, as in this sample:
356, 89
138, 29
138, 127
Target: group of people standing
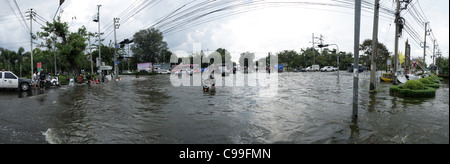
88, 77
39, 79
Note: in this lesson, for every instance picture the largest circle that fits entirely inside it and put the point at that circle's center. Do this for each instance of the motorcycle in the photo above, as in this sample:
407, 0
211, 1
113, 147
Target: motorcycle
209, 85
52, 82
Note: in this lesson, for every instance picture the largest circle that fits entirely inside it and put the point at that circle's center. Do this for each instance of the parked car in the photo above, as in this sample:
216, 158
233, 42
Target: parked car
313, 68
164, 72
308, 69
328, 69
299, 70
10, 80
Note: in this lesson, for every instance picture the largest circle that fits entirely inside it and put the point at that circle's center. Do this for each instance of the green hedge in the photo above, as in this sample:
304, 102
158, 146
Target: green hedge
63, 80
414, 85
399, 90
434, 85
425, 80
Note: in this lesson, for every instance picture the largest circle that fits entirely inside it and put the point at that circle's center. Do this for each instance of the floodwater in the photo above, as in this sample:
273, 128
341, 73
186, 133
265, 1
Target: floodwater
307, 108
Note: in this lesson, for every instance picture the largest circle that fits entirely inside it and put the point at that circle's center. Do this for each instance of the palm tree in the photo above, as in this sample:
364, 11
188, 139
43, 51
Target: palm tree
6, 56
19, 56
12, 60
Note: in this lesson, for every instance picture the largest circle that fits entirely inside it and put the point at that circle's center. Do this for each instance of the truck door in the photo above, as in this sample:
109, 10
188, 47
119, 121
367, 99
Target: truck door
10, 81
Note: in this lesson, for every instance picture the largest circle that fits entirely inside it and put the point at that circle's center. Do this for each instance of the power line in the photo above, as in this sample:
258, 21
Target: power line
20, 11
241, 8
132, 12
18, 18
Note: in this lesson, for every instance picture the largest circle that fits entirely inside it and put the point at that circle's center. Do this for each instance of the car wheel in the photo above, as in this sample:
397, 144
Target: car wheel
24, 86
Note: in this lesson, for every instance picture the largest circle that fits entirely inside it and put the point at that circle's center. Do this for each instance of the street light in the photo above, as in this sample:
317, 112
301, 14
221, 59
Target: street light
326, 45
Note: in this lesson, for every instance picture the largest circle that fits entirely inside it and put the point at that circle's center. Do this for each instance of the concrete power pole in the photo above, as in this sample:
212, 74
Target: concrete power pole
313, 50
397, 32
425, 48
31, 39
321, 43
99, 42
116, 26
90, 54
434, 54
373, 67
399, 21
356, 62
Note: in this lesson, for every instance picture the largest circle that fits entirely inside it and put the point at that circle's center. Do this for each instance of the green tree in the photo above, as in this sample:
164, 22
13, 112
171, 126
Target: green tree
6, 56
150, 46
383, 54
226, 57
442, 64
20, 54
70, 45
247, 58
107, 55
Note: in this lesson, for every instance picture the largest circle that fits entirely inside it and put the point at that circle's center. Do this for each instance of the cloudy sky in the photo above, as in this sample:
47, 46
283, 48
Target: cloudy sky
258, 26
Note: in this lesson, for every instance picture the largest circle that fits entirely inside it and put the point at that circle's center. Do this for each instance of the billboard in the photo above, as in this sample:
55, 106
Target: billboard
145, 66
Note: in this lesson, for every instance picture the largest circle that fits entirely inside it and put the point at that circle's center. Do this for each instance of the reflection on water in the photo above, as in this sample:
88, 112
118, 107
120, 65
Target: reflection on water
307, 108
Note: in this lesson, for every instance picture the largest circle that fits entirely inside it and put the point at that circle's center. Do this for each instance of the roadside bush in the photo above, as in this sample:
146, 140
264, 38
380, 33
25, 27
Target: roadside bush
400, 90
425, 81
433, 85
64, 80
414, 85
432, 80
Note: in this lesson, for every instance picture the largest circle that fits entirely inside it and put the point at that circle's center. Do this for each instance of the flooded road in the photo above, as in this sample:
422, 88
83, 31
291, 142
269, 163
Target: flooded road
308, 108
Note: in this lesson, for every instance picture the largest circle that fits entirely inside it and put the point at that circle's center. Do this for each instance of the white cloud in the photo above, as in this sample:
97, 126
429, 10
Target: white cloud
261, 31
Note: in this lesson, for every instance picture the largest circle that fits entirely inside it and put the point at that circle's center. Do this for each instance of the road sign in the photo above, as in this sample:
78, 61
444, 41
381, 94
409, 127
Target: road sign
39, 67
105, 68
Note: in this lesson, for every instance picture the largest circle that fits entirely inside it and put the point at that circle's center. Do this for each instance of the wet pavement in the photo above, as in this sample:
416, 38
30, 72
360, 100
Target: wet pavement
307, 108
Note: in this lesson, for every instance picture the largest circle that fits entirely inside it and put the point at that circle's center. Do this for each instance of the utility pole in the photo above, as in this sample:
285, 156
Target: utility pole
434, 54
99, 43
373, 67
356, 62
438, 61
425, 48
313, 50
397, 32
399, 21
116, 26
54, 55
90, 54
31, 38
321, 43
128, 59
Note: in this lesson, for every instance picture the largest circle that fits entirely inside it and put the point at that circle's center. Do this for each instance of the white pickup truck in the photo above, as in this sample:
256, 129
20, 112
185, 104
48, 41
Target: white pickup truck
10, 81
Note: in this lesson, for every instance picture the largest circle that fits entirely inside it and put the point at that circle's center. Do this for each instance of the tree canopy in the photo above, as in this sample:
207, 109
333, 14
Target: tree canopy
69, 45
383, 54
150, 47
